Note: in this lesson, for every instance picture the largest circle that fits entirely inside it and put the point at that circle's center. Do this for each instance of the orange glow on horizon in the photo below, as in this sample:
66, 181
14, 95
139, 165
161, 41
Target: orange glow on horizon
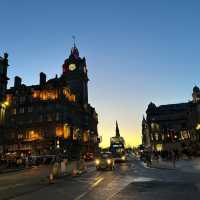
131, 139
129, 122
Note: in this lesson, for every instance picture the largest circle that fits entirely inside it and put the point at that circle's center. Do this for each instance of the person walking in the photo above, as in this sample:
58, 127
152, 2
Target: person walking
149, 159
173, 158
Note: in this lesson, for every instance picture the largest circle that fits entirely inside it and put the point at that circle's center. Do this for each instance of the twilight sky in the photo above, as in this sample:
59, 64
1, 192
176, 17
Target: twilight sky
136, 51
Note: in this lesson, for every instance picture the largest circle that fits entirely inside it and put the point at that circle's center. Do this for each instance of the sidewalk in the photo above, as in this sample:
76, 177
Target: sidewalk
189, 165
160, 164
192, 165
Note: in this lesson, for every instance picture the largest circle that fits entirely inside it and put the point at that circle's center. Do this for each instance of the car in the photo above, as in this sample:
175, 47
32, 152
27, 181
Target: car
105, 161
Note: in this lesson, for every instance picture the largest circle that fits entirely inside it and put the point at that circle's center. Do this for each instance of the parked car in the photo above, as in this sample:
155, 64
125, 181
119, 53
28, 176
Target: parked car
105, 161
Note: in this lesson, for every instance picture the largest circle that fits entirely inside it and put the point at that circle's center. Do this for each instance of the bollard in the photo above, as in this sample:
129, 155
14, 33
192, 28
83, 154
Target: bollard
51, 181
82, 166
74, 172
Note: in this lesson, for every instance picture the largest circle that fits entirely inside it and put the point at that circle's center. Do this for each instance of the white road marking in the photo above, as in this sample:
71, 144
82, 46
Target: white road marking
97, 182
124, 182
142, 179
81, 196
92, 186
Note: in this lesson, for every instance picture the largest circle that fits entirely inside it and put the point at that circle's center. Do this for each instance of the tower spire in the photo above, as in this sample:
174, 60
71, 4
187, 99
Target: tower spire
117, 130
74, 39
74, 50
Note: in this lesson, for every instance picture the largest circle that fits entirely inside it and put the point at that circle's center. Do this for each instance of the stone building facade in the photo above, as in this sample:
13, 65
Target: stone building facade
3, 104
52, 116
172, 126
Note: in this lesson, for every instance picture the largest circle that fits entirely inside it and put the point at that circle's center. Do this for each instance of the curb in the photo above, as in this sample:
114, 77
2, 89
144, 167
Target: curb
157, 167
13, 170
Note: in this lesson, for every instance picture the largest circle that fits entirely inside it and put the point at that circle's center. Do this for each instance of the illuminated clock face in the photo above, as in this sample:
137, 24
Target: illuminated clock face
72, 67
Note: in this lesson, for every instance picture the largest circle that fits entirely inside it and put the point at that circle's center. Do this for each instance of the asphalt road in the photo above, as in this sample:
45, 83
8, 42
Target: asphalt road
17, 183
130, 180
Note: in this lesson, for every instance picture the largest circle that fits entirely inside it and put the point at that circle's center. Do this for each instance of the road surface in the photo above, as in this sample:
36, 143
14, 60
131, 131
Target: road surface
130, 180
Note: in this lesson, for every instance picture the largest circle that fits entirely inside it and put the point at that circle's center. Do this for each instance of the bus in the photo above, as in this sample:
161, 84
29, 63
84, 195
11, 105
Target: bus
117, 148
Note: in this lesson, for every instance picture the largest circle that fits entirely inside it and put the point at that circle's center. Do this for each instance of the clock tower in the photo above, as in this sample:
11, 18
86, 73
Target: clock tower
75, 74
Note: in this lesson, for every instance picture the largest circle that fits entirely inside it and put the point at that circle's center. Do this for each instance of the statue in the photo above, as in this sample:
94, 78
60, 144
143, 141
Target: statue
5, 59
4, 64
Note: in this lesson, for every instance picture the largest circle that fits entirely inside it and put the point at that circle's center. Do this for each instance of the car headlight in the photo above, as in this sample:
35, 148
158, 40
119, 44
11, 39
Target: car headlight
123, 158
109, 161
97, 161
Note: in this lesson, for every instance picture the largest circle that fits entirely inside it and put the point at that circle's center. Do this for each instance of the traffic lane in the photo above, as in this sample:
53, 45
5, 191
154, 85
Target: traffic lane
110, 184
22, 176
152, 190
92, 185
151, 184
14, 184
65, 188
141, 183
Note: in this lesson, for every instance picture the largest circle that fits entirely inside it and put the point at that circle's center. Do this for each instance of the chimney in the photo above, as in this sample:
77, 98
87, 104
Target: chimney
18, 81
42, 78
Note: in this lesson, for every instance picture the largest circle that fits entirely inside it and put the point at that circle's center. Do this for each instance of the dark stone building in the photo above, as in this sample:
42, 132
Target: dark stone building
3, 87
172, 126
52, 116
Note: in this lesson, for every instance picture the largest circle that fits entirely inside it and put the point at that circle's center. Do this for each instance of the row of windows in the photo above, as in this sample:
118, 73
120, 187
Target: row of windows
175, 136
61, 131
21, 110
43, 95
41, 118
30, 109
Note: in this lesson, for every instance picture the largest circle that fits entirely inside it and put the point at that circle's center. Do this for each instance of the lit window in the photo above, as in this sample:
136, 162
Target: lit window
156, 136
75, 134
33, 135
14, 111
163, 137
198, 127
20, 136
49, 118
59, 131
85, 136
67, 93
36, 94
9, 98
66, 131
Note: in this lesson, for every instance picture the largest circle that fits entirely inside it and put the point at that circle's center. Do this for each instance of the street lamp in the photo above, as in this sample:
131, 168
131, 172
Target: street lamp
58, 143
5, 104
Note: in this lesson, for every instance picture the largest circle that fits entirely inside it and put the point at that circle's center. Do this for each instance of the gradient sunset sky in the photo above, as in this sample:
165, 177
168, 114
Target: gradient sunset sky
136, 51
